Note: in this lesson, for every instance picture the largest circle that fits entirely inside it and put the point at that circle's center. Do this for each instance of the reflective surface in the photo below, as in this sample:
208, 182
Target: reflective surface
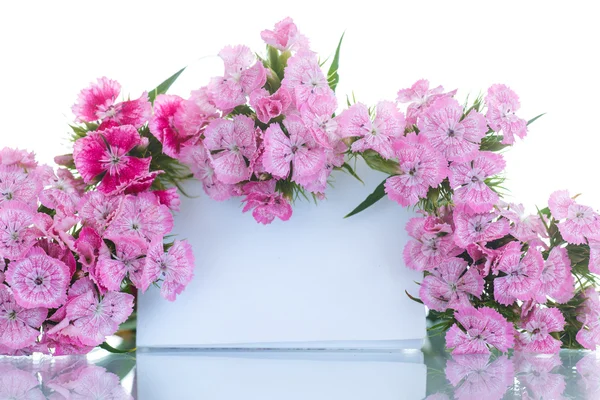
266, 375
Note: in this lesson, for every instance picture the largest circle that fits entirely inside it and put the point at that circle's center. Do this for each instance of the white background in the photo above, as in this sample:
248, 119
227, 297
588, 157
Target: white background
547, 52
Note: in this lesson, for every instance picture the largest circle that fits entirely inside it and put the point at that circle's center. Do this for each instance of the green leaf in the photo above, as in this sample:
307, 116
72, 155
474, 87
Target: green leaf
378, 194
111, 349
534, 118
378, 163
413, 298
332, 75
163, 87
350, 170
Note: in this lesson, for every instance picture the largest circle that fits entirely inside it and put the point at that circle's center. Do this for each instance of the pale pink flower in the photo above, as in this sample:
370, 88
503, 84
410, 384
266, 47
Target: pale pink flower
169, 197
39, 280
524, 227
265, 203
334, 158
318, 116
16, 185
128, 261
105, 152
538, 376
491, 257
480, 328
582, 223
97, 209
269, 106
297, 152
304, 78
21, 158
430, 247
556, 279
420, 98
192, 116
19, 327
420, 168
594, 264
87, 246
234, 144
378, 133
18, 384
476, 376
243, 74
450, 284
471, 193
559, 204
589, 314
588, 369
285, 36
141, 216
56, 228
535, 336
200, 163
175, 268
64, 193
17, 235
55, 250
457, 139
502, 103
522, 279
478, 228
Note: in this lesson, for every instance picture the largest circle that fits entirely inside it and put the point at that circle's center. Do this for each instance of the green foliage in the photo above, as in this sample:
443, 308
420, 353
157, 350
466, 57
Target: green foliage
378, 163
348, 168
333, 77
373, 198
164, 86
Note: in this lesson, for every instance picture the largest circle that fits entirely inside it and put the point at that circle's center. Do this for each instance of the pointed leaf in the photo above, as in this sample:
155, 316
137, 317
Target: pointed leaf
332, 75
413, 298
163, 87
534, 118
378, 194
111, 349
348, 168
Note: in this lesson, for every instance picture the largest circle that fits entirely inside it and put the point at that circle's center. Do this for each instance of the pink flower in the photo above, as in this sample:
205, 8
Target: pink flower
87, 246
502, 104
105, 152
449, 285
589, 314
64, 193
233, 144
476, 376
430, 247
269, 106
522, 279
297, 152
536, 376
285, 36
265, 202
16, 185
420, 98
17, 235
163, 127
192, 116
141, 216
98, 103
556, 278
457, 139
536, 331
318, 115
420, 167
19, 327
198, 159
376, 134
559, 204
471, 193
589, 370
243, 74
168, 197
481, 328
524, 227
20, 158
580, 222
175, 268
334, 158
128, 260
97, 209
594, 264
39, 280
304, 78
478, 228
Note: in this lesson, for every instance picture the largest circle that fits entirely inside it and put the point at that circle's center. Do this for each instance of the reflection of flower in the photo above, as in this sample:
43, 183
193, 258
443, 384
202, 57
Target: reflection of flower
589, 369
535, 373
477, 377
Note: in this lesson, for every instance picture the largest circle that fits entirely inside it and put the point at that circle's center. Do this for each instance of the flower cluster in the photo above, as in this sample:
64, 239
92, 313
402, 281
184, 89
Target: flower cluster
494, 276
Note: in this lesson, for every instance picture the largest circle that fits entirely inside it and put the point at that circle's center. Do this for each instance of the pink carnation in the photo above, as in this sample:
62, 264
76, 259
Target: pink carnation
128, 260
64, 193
450, 284
378, 133
265, 203
269, 106
334, 158
478, 228
97, 209
420, 98
524, 227
536, 331
502, 104
21, 158
285, 36
163, 127
420, 168
192, 116
430, 247
457, 139
319, 117
556, 278
87, 246
304, 78
522, 279
476, 376
16, 185
19, 327
198, 159
580, 222
480, 328
594, 264
234, 144
169, 197
471, 193
589, 314
175, 268
17, 235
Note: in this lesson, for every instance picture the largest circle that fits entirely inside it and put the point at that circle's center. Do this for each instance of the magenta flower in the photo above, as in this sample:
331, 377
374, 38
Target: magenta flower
420, 98
16, 185
198, 159
97, 209
141, 216
580, 222
556, 278
168, 197
471, 193
457, 139
535, 336
285, 36
162, 125
420, 167
175, 268
478, 228
233, 144
243, 75
265, 203
19, 327
502, 104
269, 106
304, 78
128, 260
104, 154
297, 152
522, 279
431, 247
98, 102
378, 133
481, 328
17, 235
319, 117
476, 376
450, 284
39, 280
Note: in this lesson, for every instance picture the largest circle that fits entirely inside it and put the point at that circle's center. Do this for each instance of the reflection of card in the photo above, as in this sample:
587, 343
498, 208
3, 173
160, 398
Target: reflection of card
318, 280
280, 376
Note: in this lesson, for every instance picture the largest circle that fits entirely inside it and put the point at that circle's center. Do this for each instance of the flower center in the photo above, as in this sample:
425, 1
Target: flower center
294, 149
478, 228
536, 331
8, 195
451, 132
12, 315
38, 281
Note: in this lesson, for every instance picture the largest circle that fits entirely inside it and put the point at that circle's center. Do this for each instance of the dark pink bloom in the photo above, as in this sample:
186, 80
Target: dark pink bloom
456, 137
128, 260
16, 185
537, 328
304, 78
478, 228
431, 247
420, 168
480, 328
233, 143
285, 36
105, 152
522, 279
556, 279
19, 327
97, 209
502, 104
175, 268
476, 376
169, 197
17, 235
265, 202
198, 159
420, 98
269, 106
450, 284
